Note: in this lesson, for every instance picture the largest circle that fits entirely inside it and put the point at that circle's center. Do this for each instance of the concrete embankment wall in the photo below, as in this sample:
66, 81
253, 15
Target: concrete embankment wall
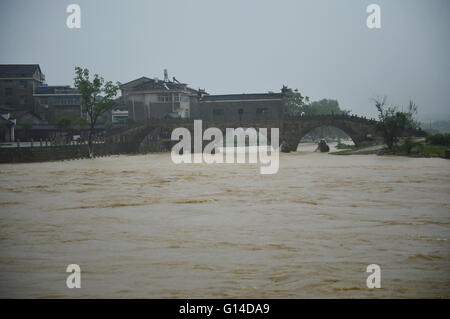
54, 153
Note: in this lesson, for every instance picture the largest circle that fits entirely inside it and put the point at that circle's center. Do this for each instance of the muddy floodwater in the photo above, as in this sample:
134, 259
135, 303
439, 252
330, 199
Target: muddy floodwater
141, 226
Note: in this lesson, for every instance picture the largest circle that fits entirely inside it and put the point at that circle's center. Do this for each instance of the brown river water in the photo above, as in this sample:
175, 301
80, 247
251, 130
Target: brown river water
141, 226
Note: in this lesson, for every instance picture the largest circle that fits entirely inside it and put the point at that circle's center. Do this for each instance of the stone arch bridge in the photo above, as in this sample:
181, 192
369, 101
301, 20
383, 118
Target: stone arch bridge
157, 132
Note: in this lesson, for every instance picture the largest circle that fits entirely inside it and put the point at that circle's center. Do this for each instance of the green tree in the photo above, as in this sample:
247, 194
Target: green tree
64, 124
325, 107
81, 123
296, 103
97, 97
394, 123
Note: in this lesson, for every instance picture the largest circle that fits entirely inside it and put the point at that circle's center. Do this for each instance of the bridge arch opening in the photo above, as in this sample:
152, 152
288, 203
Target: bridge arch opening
335, 137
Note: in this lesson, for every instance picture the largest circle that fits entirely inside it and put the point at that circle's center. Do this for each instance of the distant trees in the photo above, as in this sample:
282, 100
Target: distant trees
325, 107
394, 123
97, 97
299, 105
441, 126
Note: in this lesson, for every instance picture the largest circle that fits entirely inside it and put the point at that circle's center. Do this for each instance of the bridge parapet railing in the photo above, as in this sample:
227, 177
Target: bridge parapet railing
329, 116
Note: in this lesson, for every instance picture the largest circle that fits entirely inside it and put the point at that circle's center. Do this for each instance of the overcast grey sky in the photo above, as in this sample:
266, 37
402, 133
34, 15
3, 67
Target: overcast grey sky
321, 47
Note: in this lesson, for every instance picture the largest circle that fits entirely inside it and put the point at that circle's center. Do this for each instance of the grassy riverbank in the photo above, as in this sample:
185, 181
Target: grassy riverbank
407, 148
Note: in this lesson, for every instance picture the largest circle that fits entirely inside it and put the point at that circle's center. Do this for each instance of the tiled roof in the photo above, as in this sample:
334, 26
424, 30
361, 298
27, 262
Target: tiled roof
132, 83
144, 84
18, 70
159, 85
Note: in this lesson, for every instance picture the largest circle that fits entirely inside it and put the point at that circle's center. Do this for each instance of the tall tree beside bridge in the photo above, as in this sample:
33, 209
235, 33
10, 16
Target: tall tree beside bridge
394, 123
296, 103
97, 97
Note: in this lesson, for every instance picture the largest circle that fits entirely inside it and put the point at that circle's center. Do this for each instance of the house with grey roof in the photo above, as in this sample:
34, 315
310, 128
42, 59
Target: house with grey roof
18, 83
148, 98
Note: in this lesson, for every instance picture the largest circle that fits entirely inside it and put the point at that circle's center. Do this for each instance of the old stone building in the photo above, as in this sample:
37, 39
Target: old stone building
238, 107
148, 98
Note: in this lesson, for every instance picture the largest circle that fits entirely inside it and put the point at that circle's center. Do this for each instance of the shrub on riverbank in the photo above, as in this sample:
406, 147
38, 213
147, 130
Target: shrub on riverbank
342, 146
420, 149
439, 139
409, 146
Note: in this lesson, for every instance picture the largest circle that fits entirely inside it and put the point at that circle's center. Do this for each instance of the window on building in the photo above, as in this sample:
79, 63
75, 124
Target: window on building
23, 84
164, 98
8, 91
66, 100
23, 99
176, 97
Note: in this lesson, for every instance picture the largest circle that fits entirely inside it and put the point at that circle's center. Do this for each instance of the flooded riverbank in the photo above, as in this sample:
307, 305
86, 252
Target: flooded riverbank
141, 226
